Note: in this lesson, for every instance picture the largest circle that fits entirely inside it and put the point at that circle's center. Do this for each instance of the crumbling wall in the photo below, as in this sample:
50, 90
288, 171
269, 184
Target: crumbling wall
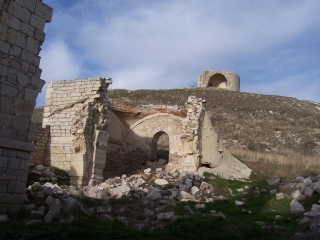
76, 111
40, 140
219, 79
21, 35
191, 134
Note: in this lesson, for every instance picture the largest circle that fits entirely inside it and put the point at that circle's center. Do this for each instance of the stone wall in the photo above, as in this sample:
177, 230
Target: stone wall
21, 35
76, 111
219, 79
40, 141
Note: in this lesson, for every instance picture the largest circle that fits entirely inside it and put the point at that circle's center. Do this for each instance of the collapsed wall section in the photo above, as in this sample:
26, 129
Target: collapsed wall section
76, 111
21, 35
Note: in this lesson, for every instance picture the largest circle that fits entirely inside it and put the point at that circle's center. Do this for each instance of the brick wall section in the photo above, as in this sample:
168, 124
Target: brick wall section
21, 35
40, 141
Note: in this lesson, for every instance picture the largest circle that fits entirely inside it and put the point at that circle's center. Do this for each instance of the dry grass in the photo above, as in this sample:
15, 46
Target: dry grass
288, 164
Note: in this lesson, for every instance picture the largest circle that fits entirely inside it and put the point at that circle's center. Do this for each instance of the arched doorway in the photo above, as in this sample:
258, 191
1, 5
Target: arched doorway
160, 146
217, 80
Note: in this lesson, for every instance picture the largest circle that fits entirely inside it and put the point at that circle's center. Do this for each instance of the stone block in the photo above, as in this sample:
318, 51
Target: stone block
5, 120
3, 185
3, 31
23, 78
16, 187
3, 70
30, 4
7, 90
22, 175
14, 162
15, 51
24, 108
19, 11
30, 94
11, 21
16, 38
27, 29
28, 57
33, 45
8, 133
39, 35
43, 11
37, 22
20, 122
24, 165
14, 198
3, 161
4, 46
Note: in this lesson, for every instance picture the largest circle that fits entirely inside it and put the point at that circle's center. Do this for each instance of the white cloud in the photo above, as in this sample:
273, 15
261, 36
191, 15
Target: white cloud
57, 63
162, 44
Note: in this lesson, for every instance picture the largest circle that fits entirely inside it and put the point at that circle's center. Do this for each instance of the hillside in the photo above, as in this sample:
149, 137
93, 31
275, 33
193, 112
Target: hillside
252, 126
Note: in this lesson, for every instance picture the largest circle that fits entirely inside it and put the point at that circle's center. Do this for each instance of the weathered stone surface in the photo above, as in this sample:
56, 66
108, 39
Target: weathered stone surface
70, 205
49, 217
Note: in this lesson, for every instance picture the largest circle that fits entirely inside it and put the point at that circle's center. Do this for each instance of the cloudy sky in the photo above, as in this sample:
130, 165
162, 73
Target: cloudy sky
273, 45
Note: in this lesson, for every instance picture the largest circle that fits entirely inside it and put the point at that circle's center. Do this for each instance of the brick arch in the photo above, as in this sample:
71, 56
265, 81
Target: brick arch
142, 132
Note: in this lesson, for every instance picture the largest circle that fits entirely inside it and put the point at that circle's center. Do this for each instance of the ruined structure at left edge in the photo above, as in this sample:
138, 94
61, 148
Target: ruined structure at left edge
92, 138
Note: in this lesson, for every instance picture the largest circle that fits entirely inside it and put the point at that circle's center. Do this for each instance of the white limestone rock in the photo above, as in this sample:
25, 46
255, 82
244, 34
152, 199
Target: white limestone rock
296, 194
200, 206
185, 195
120, 191
161, 182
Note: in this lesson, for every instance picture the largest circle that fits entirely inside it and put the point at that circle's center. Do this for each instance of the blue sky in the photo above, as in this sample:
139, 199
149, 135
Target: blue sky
273, 45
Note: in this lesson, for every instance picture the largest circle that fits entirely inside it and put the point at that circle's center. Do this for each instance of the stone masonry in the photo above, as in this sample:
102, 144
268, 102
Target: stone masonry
76, 111
40, 142
21, 35
219, 79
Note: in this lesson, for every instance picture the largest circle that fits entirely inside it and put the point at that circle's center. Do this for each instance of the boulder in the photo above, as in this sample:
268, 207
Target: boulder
309, 191
49, 217
154, 195
316, 186
189, 210
315, 208
307, 181
200, 206
296, 207
70, 205
274, 181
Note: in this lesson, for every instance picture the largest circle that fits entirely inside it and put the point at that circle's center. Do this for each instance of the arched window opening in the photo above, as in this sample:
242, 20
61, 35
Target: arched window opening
160, 146
217, 80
